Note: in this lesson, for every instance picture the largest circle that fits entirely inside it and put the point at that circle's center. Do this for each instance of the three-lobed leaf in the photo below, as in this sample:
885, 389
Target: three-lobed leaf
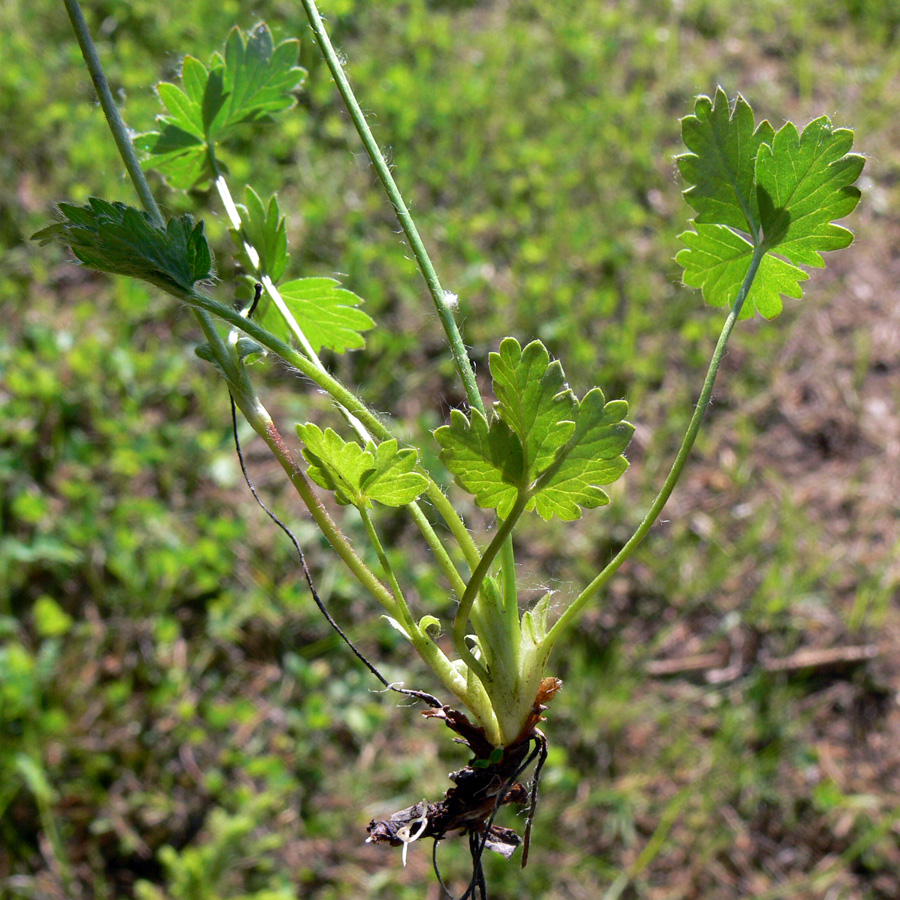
755, 190
252, 82
542, 444
122, 240
359, 475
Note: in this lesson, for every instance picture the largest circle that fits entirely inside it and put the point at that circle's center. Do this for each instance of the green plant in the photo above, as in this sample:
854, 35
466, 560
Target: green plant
765, 204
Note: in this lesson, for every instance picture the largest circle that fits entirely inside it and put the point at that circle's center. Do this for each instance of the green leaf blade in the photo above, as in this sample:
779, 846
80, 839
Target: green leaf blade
184, 113
254, 81
790, 188
121, 240
720, 167
805, 182
393, 482
327, 313
359, 475
265, 229
716, 260
258, 77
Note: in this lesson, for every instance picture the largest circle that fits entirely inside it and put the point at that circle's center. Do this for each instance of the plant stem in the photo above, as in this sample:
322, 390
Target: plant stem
573, 610
403, 607
500, 538
457, 347
426, 267
116, 125
231, 210
129, 158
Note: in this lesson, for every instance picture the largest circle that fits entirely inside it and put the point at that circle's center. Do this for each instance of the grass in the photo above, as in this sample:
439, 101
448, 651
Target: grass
164, 682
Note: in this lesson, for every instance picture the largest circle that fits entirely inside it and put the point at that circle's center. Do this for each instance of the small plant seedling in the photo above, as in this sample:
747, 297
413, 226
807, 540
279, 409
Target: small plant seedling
765, 204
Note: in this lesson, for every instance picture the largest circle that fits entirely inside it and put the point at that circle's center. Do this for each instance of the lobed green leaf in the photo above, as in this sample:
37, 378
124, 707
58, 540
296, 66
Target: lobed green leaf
592, 458
122, 240
541, 444
359, 475
757, 189
252, 82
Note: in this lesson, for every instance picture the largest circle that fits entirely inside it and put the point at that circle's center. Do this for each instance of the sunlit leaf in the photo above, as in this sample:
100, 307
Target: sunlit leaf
533, 399
359, 475
486, 460
758, 190
541, 445
326, 313
252, 82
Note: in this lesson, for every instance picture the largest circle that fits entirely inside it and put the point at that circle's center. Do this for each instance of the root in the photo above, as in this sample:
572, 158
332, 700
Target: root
481, 789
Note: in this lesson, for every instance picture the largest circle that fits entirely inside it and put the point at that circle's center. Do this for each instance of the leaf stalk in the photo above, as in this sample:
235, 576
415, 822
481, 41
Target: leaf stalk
572, 611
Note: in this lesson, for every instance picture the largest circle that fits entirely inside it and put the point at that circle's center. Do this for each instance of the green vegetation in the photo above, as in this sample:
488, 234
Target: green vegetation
124, 608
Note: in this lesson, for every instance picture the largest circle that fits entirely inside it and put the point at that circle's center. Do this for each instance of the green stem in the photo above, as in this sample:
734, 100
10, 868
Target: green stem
129, 158
116, 125
445, 314
457, 347
572, 612
263, 425
500, 538
510, 591
405, 615
231, 210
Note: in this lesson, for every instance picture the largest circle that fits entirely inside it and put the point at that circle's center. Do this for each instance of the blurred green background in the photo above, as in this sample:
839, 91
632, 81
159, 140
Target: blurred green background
177, 722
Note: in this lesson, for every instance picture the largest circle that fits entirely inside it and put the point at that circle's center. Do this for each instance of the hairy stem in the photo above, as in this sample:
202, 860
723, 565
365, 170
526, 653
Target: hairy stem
457, 347
426, 267
572, 612
108, 105
500, 538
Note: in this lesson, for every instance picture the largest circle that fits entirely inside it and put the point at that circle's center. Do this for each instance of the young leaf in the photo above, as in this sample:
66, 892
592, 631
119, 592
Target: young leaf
251, 83
266, 232
360, 475
326, 313
122, 240
541, 443
759, 191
